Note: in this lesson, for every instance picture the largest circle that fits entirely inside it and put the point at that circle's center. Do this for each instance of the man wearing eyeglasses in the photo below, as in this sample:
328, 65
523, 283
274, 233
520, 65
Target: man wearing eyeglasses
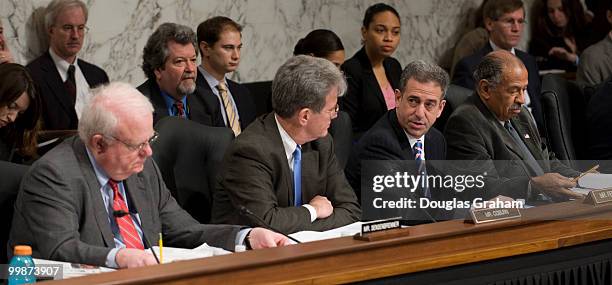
62, 79
283, 167
505, 22
406, 133
98, 199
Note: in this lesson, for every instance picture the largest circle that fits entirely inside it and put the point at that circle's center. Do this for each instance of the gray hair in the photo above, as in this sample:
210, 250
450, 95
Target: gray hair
304, 82
155, 52
491, 69
100, 114
57, 6
424, 72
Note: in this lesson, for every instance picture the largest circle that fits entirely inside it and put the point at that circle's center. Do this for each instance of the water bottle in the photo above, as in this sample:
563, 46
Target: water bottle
21, 267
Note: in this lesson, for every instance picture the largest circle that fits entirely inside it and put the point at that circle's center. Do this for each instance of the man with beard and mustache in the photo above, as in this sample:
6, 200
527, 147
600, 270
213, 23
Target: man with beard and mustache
169, 62
220, 42
62, 79
494, 131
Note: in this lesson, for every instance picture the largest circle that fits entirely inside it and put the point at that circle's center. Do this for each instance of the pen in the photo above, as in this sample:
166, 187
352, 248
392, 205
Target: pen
593, 169
161, 249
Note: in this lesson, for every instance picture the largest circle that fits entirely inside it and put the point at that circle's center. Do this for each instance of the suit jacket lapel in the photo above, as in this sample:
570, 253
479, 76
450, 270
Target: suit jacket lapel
522, 128
140, 202
99, 209
271, 128
370, 78
400, 135
55, 84
501, 131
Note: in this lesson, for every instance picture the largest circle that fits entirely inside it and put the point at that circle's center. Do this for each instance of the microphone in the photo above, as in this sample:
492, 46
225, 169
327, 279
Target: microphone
244, 211
147, 244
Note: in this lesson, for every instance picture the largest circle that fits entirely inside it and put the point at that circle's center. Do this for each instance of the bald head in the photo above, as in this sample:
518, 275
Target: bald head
501, 83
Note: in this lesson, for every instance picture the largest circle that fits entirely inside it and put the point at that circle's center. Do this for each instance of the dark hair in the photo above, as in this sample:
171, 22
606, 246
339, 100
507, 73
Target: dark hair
14, 81
576, 19
319, 43
375, 9
495, 9
155, 52
210, 30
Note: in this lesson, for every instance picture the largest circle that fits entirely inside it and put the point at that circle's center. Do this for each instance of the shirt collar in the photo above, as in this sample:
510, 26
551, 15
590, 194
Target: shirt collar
170, 100
60, 63
288, 143
498, 48
212, 82
100, 173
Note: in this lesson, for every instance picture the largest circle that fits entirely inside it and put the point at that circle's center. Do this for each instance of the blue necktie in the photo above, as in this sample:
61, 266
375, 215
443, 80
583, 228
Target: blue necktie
418, 157
297, 176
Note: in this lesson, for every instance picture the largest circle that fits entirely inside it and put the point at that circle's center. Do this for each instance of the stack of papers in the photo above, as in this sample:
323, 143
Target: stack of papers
69, 270
348, 230
593, 181
172, 254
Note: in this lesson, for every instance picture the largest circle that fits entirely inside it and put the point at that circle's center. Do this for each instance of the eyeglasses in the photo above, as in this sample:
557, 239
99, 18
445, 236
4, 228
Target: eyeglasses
138, 147
334, 112
80, 29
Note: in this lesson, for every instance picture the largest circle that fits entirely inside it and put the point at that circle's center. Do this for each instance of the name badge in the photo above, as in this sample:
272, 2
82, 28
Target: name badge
481, 216
600, 196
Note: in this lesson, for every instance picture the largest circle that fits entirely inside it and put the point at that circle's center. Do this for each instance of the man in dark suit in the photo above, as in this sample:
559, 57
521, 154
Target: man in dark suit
495, 132
283, 167
63, 80
505, 21
419, 102
220, 41
169, 62
97, 198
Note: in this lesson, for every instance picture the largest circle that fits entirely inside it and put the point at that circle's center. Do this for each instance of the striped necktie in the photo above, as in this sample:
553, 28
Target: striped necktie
127, 230
232, 120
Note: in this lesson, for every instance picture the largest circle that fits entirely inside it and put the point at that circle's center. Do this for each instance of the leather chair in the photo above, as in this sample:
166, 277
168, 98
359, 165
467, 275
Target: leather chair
188, 155
564, 107
262, 95
341, 130
455, 95
9, 187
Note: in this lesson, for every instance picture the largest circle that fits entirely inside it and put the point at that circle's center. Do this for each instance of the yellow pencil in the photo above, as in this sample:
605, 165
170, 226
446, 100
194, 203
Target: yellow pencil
593, 169
161, 249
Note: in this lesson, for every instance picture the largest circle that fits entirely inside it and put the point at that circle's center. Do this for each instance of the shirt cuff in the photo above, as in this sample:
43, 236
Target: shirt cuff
110, 258
241, 236
312, 211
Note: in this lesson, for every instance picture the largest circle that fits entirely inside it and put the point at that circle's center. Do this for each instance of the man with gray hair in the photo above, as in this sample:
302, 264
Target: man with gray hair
493, 128
98, 198
405, 133
169, 62
282, 167
62, 79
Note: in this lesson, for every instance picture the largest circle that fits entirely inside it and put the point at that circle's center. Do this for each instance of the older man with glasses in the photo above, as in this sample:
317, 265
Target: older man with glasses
283, 167
62, 79
98, 198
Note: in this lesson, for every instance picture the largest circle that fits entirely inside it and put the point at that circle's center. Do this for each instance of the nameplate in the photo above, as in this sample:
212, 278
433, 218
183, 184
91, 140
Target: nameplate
489, 215
600, 196
382, 225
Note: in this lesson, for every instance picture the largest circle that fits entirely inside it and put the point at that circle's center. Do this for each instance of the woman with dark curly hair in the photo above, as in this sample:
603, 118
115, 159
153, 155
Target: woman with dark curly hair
19, 114
558, 36
321, 43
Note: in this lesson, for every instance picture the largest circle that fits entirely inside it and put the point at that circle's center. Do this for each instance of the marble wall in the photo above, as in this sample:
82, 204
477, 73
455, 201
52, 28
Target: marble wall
118, 29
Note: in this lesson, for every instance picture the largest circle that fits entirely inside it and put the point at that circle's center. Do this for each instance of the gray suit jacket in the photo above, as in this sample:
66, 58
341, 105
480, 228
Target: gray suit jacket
255, 174
60, 212
473, 133
596, 63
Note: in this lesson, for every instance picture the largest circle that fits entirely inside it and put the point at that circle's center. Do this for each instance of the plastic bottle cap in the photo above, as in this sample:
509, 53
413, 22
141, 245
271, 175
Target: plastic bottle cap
22, 250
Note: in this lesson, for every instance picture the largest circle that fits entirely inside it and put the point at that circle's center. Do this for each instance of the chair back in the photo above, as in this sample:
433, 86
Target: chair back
9, 187
262, 95
341, 129
188, 155
455, 95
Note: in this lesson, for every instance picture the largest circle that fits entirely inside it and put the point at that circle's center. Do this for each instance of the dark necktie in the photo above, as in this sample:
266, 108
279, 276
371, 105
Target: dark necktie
529, 158
70, 84
297, 176
127, 230
417, 149
180, 109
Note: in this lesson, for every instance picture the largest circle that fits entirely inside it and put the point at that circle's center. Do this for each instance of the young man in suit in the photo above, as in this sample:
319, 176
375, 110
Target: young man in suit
406, 133
169, 62
505, 21
283, 167
97, 198
220, 42
493, 128
62, 79
596, 61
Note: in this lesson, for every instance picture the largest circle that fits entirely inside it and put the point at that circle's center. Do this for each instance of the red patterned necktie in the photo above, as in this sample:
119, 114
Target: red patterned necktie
180, 109
127, 230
